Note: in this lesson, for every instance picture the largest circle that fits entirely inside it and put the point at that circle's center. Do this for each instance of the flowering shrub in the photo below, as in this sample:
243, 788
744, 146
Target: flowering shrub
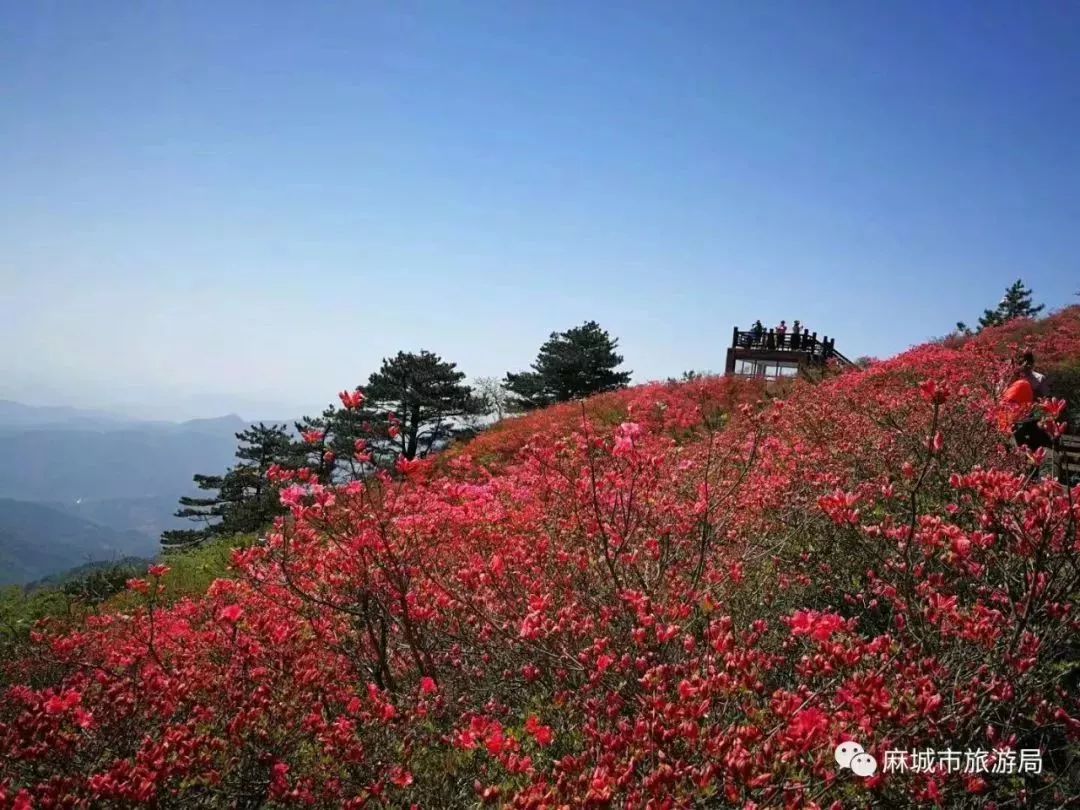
669, 596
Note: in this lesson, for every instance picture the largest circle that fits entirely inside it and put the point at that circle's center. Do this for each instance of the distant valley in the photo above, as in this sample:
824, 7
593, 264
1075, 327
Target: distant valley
78, 486
36, 542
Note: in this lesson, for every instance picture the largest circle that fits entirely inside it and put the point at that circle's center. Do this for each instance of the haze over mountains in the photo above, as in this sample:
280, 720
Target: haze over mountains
83, 485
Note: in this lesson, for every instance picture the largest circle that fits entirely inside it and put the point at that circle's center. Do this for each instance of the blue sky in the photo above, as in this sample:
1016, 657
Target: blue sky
216, 207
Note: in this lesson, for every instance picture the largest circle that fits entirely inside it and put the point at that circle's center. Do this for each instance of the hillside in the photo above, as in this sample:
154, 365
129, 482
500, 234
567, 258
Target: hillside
37, 542
670, 596
148, 515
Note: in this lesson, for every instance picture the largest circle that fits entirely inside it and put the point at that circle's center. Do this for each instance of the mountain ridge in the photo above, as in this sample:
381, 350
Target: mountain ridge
37, 541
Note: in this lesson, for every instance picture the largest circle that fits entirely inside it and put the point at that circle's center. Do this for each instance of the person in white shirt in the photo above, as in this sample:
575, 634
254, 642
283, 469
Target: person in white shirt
1026, 364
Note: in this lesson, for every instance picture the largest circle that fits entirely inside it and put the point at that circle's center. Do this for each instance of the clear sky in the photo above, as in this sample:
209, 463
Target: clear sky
214, 207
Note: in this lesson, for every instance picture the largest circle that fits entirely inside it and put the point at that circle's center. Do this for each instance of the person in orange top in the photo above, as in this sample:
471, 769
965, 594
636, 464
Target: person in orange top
1021, 395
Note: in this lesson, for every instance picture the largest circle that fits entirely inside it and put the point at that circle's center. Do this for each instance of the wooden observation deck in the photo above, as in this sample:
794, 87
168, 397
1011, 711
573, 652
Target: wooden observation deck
769, 354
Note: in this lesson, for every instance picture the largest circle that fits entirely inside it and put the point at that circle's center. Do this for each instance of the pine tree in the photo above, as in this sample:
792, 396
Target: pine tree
412, 402
1016, 303
571, 364
326, 444
244, 500
313, 442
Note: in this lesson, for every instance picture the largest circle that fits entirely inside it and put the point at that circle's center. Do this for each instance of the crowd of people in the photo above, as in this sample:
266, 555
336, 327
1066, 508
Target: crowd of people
797, 338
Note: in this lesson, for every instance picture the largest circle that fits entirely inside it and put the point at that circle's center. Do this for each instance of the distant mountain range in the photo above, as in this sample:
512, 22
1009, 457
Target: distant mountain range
18, 415
79, 484
64, 463
36, 542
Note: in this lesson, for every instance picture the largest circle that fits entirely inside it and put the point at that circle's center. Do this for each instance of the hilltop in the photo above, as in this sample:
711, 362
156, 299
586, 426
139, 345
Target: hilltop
674, 594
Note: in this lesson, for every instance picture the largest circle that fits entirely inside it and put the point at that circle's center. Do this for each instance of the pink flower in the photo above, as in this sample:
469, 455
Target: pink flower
158, 570
428, 685
292, 496
279, 781
932, 392
937, 441
231, 614
352, 400
815, 624
401, 777
496, 741
541, 733
806, 726
625, 435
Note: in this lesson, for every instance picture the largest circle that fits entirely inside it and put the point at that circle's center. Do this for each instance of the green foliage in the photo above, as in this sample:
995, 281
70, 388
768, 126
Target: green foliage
1016, 303
102, 588
572, 364
191, 572
1064, 383
423, 393
21, 610
690, 375
87, 570
102, 582
244, 500
410, 405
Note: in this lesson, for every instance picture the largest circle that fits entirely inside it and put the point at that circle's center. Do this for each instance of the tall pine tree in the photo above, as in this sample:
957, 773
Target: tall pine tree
571, 364
413, 399
243, 498
1016, 303
410, 405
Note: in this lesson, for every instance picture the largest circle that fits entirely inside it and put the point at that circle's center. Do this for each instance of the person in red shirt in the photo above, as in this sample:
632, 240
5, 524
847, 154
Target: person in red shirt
1026, 387
1019, 393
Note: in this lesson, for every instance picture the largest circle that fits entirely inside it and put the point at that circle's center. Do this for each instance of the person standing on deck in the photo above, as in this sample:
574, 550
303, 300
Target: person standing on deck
781, 330
757, 330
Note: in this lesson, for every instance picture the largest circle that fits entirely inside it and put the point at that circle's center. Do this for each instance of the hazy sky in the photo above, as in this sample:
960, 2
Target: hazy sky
226, 206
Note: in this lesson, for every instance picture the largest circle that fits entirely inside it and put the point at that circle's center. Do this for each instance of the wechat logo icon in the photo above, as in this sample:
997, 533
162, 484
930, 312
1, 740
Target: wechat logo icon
852, 755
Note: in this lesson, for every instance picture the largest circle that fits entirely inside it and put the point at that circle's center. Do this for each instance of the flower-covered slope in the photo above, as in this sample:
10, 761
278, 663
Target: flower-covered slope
671, 596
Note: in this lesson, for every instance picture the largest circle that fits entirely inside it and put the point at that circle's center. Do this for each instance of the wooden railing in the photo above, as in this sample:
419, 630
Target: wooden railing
806, 344
1067, 460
